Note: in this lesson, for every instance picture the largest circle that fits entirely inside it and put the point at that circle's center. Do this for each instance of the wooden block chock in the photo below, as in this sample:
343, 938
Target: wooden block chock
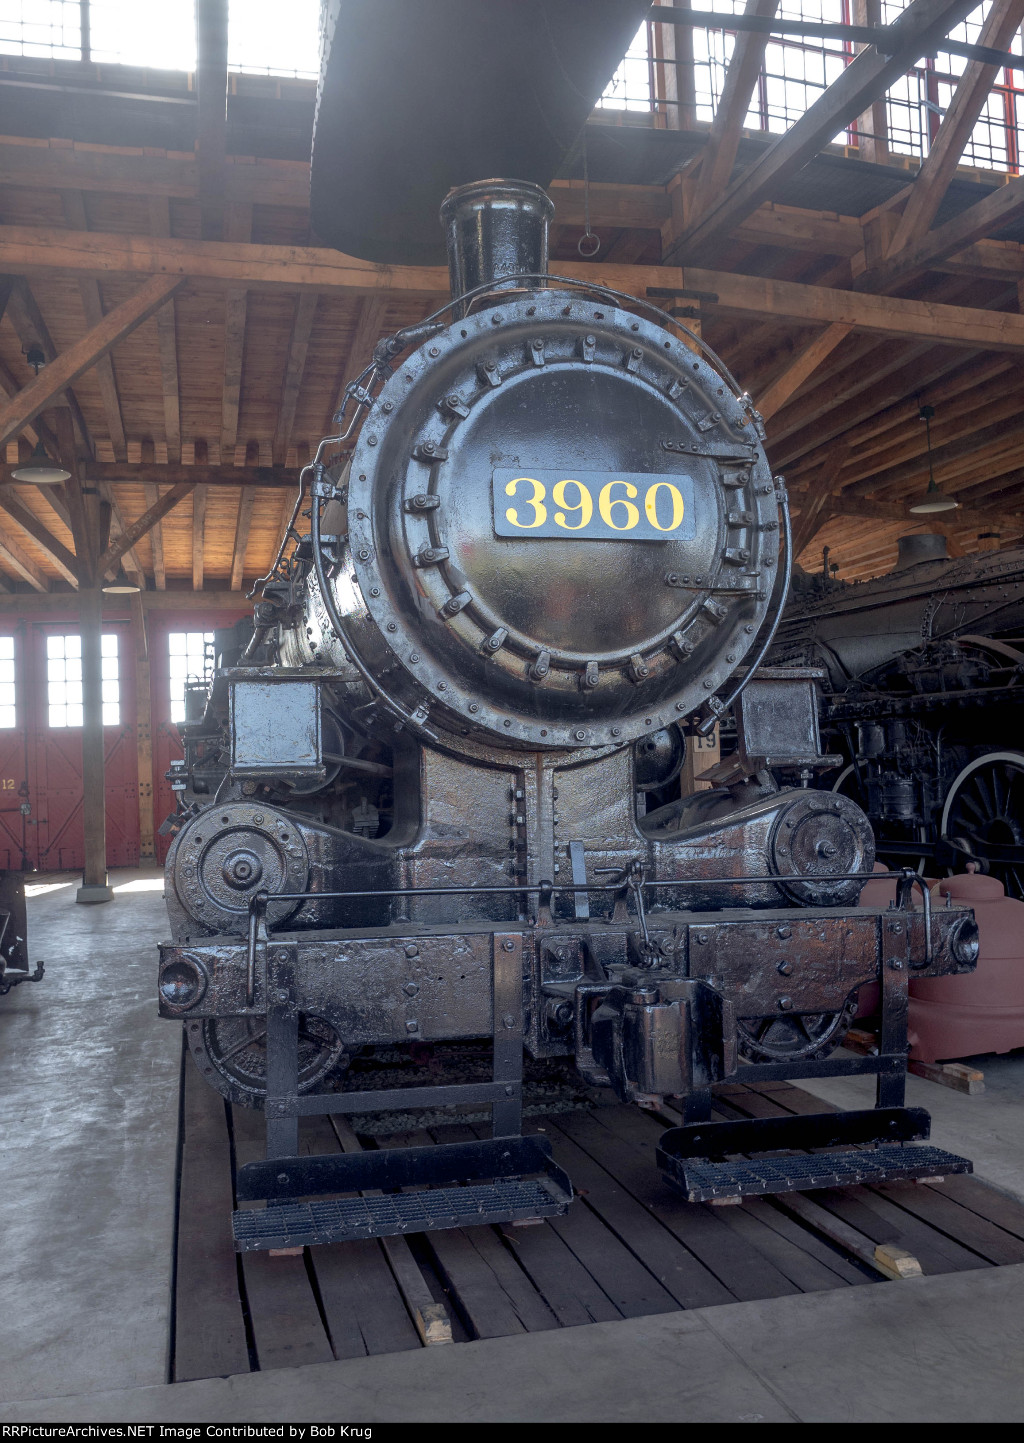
896, 1262
957, 1075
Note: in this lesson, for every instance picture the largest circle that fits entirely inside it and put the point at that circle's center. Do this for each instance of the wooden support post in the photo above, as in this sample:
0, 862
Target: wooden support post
143, 731
94, 886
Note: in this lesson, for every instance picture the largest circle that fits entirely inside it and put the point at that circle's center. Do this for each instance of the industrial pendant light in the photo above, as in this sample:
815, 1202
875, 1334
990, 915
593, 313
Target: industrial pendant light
934, 499
39, 470
120, 585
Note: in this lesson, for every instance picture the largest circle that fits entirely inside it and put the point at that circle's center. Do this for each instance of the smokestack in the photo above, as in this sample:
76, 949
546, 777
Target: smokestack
495, 228
921, 546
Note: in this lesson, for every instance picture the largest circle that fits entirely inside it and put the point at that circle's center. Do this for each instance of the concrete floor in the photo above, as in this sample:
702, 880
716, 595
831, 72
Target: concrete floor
89, 1081
987, 1128
927, 1350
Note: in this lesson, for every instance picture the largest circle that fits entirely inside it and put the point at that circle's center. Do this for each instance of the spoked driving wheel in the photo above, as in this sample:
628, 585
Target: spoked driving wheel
797, 1037
984, 816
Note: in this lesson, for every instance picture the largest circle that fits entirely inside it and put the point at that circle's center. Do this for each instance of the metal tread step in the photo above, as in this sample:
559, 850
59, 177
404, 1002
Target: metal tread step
702, 1180
328, 1220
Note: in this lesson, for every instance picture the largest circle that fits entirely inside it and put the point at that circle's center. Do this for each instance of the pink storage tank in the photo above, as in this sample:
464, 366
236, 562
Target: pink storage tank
982, 1011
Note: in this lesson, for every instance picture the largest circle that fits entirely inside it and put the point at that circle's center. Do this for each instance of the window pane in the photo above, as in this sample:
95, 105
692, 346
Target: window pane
190, 658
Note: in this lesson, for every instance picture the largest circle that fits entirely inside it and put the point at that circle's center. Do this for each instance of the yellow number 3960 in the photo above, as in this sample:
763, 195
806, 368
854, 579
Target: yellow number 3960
615, 505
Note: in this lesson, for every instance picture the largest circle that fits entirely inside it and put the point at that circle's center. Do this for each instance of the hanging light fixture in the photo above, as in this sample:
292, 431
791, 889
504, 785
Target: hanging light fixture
120, 585
934, 499
39, 470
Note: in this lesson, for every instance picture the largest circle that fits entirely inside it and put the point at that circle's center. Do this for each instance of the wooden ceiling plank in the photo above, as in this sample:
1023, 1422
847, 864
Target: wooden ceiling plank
246, 500
55, 550
972, 91
58, 375
302, 329
39, 430
727, 127
868, 76
92, 304
137, 529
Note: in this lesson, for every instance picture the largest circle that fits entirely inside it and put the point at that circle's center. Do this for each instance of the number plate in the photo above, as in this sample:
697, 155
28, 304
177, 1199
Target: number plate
593, 505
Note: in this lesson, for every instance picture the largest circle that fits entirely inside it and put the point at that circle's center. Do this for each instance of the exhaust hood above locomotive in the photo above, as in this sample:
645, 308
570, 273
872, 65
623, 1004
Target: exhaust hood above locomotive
506, 90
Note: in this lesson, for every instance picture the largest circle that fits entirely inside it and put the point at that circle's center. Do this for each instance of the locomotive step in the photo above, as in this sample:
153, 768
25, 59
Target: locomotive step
701, 1160
292, 1225
493, 1185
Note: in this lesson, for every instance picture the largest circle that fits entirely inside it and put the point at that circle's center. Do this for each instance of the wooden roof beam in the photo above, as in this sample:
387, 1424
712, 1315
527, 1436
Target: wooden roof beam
868, 76
302, 329
156, 538
58, 375
246, 500
727, 127
18, 559
167, 340
56, 553
944, 153
201, 474
137, 529
803, 365
1000, 208
28, 321
92, 304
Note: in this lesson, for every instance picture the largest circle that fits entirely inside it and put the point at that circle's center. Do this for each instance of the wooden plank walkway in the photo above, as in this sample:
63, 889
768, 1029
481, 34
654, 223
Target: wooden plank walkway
628, 1247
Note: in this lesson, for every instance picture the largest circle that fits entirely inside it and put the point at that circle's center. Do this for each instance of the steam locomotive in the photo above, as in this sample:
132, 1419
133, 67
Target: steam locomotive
924, 673
410, 813
14, 963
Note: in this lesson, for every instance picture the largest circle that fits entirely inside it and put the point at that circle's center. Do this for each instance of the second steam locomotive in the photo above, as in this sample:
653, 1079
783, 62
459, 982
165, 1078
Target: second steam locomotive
410, 810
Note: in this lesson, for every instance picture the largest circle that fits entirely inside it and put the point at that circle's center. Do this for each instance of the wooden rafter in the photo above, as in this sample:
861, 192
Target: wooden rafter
868, 75
727, 126
156, 539
81, 529
167, 338
246, 501
1001, 208
58, 375
302, 329
201, 474
92, 304
369, 325
138, 529
32, 329
803, 365
18, 559
55, 550
944, 153
198, 537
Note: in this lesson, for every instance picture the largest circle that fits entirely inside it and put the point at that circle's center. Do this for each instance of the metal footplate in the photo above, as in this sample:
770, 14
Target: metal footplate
713, 1160
493, 1181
